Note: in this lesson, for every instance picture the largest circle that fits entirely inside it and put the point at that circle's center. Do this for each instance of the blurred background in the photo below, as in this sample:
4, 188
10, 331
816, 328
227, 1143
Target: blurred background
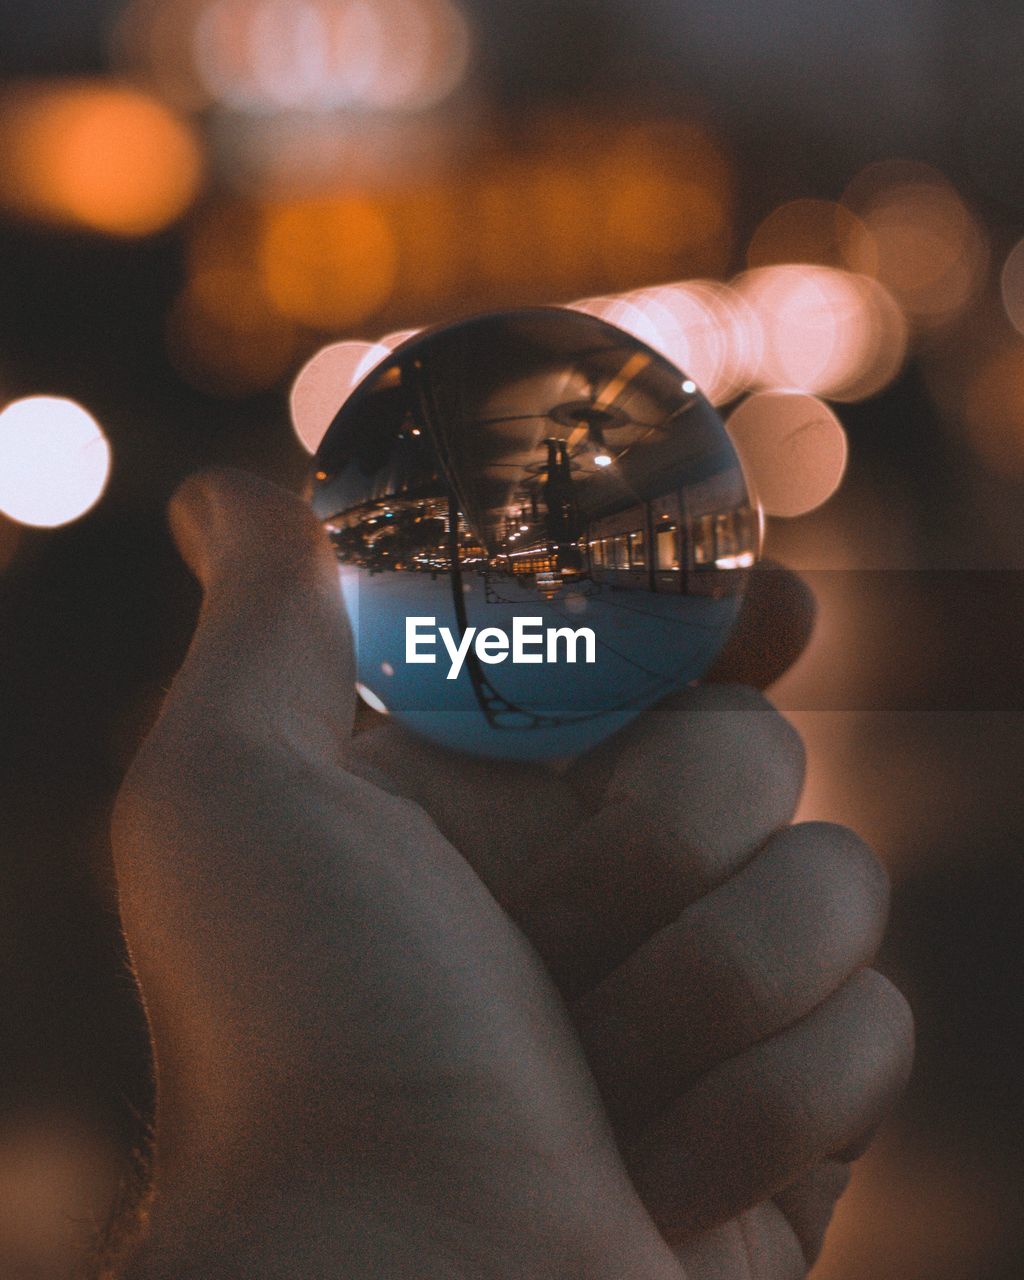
199, 196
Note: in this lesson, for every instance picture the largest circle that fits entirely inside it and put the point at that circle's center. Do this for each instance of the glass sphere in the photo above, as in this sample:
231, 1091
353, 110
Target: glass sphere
542, 529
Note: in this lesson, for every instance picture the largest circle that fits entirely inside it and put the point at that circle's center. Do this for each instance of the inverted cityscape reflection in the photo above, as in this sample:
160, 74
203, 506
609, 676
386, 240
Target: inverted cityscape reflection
538, 472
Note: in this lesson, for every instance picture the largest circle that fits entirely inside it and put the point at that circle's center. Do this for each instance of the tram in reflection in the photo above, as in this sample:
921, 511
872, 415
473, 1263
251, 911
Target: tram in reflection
651, 547
688, 540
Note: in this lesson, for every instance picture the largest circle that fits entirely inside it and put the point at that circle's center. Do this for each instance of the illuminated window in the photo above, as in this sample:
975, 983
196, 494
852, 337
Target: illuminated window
726, 542
621, 545
637, 549
667, 548
704, 540
597, 553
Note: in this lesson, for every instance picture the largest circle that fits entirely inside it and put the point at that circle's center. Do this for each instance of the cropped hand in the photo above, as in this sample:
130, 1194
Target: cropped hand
419, 1015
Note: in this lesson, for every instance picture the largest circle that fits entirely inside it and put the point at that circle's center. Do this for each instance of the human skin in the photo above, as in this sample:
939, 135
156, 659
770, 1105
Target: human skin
417, 1015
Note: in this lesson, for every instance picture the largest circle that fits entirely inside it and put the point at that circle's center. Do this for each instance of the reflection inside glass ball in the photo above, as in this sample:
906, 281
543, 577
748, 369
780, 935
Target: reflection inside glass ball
542, 529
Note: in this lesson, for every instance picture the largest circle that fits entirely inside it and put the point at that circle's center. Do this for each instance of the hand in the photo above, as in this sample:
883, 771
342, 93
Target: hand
422, 1016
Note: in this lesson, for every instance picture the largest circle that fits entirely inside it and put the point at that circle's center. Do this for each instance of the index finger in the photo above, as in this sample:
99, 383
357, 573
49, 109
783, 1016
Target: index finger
678, 800
518, 846
773, 629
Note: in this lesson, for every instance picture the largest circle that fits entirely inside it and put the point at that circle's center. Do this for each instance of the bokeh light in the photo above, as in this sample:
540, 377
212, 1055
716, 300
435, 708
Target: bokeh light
793, 450
513, 221
424, 57
394, 340
54, 461
328, 263
666, 191
993, 409
96, 155
325, 382
265, 56
1011, 283
814, 231
723, 336
703, 327
797, 312
152, 43
825, 331
626, 315
876, 358
924, 245
225, 338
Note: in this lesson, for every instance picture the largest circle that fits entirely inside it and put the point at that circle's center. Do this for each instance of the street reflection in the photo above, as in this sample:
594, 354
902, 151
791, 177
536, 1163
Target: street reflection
543, 463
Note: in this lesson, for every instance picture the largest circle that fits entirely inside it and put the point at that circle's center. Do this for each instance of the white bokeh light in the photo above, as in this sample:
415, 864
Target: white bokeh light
54, 461
793, 450
325, 383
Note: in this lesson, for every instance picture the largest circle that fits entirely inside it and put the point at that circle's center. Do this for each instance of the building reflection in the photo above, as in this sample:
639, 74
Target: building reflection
572, 512
542, 458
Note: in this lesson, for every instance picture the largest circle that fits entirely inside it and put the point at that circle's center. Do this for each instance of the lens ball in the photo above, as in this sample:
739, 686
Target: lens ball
542, 529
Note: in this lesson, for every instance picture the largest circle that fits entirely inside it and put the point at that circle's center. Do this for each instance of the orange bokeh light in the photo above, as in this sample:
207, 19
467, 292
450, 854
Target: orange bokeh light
97, 155
517, 225
328, 263
224, 338
665, 190
653, 218
993, 410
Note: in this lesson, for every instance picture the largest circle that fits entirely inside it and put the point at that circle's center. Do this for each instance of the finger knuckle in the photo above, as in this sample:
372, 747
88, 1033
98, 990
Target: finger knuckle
888, 1020
766, 745
842, 881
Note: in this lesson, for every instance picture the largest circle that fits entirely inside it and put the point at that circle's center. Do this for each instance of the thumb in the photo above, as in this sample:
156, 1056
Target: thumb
272, 655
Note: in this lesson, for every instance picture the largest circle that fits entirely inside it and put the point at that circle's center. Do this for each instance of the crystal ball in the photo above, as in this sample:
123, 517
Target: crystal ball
542, 529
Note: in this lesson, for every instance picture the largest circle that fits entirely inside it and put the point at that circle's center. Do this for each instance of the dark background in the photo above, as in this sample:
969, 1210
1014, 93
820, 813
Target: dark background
920, 743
